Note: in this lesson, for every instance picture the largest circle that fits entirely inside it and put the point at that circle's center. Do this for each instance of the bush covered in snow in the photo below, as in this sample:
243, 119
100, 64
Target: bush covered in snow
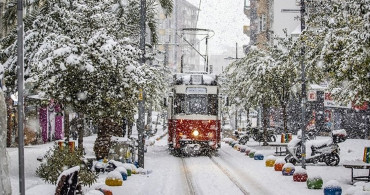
56, 161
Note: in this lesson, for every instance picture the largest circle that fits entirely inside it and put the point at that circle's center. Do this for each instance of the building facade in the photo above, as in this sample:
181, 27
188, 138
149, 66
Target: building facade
174, 43
267, 19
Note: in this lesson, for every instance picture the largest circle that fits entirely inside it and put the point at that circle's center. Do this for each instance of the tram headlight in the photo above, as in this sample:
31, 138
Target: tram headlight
195, 133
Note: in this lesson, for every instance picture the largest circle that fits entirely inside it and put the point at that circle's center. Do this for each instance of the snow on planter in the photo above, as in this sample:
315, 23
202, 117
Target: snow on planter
258, 155
236, 146
114, 178
242, 148
105, 191
123, 172
143, 171
251, 153
279, 163
288, 169
314, 182
332, 187
300, 175
228, 140
128, 168
270, 161
233, 143
247, 151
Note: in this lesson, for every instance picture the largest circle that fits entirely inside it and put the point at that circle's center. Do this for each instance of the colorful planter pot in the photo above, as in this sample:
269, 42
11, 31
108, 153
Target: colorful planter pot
332, 187
251, 154
314, 183
258, 156
333, 190
247, 151
105, 191
288, 169
270, 162
113, 182
114, 178
278, 166
300, 177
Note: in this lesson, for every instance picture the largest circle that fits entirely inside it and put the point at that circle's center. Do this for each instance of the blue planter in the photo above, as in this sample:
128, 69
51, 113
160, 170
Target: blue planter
333, 190
124, 176
258, 157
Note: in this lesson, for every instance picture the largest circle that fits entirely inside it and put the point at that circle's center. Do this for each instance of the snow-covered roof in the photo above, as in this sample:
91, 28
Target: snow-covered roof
195, 79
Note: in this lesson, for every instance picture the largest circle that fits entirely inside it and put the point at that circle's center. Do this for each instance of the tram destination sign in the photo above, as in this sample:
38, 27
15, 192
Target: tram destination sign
196, 90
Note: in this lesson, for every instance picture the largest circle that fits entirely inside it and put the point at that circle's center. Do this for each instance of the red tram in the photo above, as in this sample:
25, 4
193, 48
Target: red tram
193, 114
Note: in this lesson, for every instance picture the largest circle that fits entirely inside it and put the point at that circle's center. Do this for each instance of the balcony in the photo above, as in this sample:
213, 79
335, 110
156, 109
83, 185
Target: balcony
247, 30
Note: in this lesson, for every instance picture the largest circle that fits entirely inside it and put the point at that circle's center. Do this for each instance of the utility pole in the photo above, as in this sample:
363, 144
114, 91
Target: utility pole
303, 77
140, 120
20, 73
302, 12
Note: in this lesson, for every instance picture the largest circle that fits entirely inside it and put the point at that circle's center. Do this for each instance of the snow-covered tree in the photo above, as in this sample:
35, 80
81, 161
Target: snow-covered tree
339, 32
85, 55
252, 77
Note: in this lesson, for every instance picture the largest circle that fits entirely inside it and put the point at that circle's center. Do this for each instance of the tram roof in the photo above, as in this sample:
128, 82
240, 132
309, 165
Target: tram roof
196, 78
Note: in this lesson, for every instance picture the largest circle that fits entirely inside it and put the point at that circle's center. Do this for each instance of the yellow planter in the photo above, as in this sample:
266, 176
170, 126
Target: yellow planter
270, 162
113, 182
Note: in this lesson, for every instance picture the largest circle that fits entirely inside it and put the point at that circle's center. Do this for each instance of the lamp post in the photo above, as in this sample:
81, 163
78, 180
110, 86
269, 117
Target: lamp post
20, 77
302, 12
140, 120
303, 78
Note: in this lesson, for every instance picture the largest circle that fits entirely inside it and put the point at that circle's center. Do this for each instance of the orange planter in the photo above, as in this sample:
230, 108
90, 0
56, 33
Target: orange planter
278, 166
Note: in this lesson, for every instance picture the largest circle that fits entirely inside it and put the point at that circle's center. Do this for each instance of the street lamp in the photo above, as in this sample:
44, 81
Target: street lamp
302, 11
140, 120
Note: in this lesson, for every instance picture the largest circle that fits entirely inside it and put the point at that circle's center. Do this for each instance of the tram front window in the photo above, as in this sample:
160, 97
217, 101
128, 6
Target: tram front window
196, 104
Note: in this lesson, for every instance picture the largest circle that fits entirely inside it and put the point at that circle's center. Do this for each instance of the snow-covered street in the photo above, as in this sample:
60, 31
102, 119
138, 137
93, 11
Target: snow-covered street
227, 172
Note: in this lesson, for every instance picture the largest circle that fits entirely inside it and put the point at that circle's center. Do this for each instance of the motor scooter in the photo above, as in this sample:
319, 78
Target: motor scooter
316, 150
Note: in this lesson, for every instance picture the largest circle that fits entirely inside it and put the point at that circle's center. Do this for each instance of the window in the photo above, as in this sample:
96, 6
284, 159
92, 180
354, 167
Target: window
179, 104
262, 23
196, 104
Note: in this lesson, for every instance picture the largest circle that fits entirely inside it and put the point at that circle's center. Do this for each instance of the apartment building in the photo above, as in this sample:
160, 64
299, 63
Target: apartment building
178, 54
267, 19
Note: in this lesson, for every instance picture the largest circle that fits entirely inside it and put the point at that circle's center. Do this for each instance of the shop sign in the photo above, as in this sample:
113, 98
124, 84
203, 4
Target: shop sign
329, 102
312, 96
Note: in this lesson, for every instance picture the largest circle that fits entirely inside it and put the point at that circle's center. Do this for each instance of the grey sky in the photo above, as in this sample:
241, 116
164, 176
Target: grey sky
226, 18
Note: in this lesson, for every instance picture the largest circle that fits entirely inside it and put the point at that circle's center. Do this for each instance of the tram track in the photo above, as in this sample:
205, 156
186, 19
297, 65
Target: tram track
193, 184
187, 177
232, 179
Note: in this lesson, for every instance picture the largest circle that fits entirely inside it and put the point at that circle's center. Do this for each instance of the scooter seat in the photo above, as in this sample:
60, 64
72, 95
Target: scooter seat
319, 146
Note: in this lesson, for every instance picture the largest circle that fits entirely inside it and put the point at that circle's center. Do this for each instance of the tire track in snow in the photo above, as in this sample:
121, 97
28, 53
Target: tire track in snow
229, 176
187, 176
230, 165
